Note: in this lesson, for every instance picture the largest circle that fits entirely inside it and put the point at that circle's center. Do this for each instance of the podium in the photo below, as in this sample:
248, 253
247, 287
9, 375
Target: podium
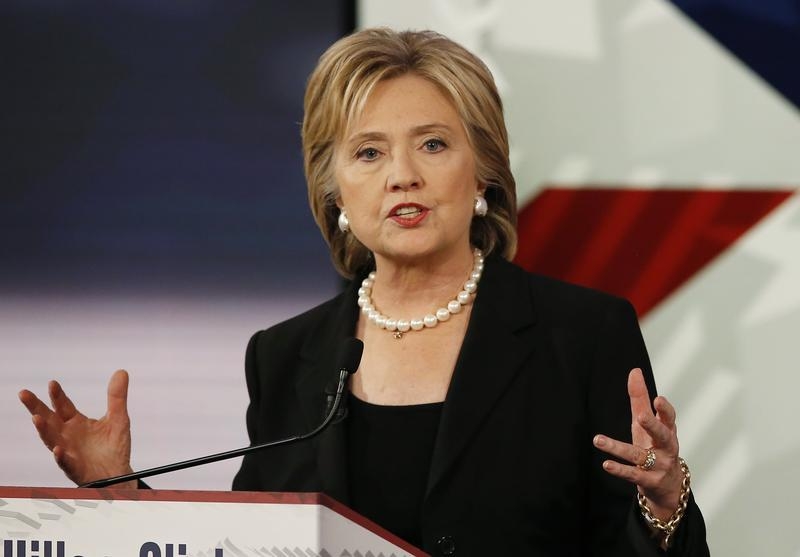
62, 522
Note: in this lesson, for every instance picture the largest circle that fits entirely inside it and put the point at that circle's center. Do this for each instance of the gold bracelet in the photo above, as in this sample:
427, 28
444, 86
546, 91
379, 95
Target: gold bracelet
668, 527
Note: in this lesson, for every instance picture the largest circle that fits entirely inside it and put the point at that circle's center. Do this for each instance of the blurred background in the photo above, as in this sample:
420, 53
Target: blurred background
153, 210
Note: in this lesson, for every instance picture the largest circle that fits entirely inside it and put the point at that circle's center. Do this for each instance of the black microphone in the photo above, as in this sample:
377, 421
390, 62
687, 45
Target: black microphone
335, 403
349, 358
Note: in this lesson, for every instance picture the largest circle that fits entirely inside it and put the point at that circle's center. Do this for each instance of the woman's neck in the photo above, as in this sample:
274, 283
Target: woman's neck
409, 288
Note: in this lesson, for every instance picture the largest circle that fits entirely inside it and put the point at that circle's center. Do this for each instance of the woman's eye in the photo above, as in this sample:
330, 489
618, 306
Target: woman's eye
434, 145
367, 154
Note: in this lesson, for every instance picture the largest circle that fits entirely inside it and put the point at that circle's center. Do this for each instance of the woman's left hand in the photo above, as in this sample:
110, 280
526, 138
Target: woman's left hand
660, 482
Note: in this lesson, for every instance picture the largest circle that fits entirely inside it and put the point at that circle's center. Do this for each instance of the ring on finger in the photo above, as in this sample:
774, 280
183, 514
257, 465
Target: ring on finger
649, 460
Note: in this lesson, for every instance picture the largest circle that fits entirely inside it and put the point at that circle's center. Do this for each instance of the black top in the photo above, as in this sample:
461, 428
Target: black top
389, 457
542, 368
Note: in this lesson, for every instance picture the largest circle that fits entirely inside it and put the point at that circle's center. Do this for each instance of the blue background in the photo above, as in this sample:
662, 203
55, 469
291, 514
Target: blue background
764, 34
154, 145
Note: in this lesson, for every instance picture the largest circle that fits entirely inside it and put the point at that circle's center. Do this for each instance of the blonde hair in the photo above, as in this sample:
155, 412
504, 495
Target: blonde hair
336, 94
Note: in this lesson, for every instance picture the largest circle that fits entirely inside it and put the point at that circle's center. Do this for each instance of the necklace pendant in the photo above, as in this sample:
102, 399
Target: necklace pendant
398, 335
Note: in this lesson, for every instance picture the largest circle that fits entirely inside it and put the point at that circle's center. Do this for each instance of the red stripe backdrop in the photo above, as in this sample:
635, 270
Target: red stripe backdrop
638, 243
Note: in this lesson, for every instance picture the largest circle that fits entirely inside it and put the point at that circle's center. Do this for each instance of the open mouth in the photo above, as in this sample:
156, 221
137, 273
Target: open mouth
408, 212
408, 215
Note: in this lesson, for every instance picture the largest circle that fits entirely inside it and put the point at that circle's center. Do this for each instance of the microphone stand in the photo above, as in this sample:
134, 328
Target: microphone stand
343, 375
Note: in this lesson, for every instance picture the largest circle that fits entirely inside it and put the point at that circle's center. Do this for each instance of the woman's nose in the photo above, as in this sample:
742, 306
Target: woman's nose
403, 174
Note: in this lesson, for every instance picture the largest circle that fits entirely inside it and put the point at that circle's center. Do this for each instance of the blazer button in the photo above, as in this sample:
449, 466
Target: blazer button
446, 545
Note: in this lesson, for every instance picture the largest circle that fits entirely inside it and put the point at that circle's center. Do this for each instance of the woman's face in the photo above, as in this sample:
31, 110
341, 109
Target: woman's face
406, 173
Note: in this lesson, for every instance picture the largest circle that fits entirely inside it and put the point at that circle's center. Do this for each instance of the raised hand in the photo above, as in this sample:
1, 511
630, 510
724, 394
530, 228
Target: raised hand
658, 477
86, 449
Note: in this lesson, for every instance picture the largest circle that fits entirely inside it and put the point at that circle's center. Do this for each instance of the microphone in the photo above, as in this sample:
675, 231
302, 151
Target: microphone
348, 359
335, 404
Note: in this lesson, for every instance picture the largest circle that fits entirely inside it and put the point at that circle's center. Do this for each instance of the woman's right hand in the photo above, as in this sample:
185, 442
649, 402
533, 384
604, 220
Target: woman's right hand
86, 449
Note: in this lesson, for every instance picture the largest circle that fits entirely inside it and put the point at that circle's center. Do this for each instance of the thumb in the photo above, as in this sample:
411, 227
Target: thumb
118, 395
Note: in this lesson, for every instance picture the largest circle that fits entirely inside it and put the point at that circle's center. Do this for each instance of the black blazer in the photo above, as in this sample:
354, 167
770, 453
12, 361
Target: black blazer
543, 367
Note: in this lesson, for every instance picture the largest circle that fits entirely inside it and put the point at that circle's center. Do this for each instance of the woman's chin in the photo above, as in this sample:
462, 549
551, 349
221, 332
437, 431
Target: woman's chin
417, 251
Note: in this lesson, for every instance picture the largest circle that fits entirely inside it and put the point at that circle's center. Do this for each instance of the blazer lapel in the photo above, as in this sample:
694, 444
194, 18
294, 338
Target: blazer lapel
496, 344
319, 354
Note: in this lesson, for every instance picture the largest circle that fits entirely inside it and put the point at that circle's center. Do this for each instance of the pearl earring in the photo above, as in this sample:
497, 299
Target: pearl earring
344, 222
481, 206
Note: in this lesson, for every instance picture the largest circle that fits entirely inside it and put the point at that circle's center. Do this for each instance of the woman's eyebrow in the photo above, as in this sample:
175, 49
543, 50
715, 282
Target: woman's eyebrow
421, 129
366, 136
433, 126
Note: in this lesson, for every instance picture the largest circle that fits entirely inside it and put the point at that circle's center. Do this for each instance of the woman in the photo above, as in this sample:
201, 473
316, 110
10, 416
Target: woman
491, 412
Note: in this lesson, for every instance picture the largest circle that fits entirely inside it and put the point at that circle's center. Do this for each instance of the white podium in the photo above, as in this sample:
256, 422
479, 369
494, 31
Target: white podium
61, 522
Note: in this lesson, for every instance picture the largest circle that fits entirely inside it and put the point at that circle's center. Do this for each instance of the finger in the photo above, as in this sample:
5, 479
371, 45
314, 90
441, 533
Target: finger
637, 391
61, 403
661, 436
64, 461
623, 451
47, 434
632, 474
34, 405
665, 412
118, 395
59, 454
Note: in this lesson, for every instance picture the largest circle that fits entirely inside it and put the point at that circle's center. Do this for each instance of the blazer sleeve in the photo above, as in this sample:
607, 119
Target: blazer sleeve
620, 348
246, 478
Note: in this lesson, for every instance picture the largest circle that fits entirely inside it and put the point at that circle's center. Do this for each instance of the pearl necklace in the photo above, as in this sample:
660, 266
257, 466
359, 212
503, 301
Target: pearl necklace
400, 326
